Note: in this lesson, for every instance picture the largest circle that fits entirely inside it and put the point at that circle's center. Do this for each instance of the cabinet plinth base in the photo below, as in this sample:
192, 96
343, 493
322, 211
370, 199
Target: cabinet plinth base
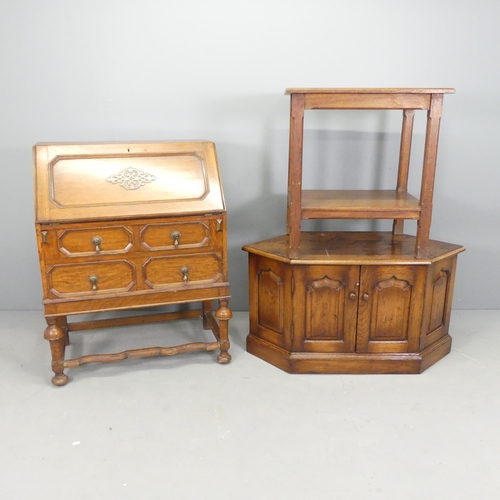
301, 362
350, 303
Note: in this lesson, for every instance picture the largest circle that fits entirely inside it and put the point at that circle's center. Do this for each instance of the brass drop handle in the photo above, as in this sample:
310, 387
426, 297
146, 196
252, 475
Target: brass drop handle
366, 296
93, 281
184, 272
352, 296
97, 241
176, 236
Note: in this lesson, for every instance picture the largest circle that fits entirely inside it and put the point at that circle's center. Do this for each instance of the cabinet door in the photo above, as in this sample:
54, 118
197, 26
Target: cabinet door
325, 308
270, 300
390, 308
438, 299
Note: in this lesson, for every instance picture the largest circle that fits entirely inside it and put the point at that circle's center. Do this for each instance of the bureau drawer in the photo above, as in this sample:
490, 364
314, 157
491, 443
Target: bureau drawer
93, 278
176, 235
181, 271
95, 241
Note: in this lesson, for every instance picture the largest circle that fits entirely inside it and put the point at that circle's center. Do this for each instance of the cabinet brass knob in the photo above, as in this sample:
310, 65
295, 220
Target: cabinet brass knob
184, 272
366, 296
97, 242
352, 295
176, 236
93, 281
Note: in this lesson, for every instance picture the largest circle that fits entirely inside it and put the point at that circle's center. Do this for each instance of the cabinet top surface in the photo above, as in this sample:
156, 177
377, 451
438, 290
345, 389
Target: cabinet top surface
352, 248
99, 181
295, 90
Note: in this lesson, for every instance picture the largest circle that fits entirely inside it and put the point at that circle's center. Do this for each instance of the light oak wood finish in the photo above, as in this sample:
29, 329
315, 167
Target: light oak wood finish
351, 303
404, 161
129, 225
398, 204
352, 204
428, 173
294, 211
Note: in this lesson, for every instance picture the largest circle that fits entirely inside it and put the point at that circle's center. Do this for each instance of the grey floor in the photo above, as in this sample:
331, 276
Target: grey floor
186, 427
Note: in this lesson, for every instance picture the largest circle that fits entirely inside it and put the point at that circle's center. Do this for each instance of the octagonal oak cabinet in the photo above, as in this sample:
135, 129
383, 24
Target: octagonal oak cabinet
352, 303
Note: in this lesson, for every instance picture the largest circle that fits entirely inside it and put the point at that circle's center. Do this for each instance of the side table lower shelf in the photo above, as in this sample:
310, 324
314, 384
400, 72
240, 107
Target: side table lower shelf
352, 303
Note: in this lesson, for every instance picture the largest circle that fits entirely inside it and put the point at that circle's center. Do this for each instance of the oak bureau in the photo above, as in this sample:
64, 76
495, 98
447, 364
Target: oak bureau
130, 225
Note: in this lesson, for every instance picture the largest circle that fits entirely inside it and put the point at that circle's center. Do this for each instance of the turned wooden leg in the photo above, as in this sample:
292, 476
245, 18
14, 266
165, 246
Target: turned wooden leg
62, 322
223, 314
57, 338
207, 307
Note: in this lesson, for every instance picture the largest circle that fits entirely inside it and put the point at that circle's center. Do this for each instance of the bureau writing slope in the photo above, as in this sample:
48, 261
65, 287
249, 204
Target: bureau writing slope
340, 302
130, 225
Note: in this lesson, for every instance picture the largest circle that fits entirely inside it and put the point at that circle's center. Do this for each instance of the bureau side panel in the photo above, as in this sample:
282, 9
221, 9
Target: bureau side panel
43, 243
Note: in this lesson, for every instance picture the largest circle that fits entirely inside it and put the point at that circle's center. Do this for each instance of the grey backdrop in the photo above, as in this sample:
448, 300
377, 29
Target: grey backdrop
105, 70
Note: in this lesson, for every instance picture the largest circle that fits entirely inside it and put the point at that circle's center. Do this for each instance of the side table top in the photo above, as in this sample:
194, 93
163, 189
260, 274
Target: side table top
295, 90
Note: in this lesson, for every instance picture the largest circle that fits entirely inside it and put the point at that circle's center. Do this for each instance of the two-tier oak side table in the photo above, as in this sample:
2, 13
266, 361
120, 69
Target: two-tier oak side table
397, 204
130, 225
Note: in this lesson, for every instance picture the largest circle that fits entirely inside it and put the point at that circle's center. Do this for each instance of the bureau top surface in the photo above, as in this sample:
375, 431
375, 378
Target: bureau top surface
99, 181
352, 248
